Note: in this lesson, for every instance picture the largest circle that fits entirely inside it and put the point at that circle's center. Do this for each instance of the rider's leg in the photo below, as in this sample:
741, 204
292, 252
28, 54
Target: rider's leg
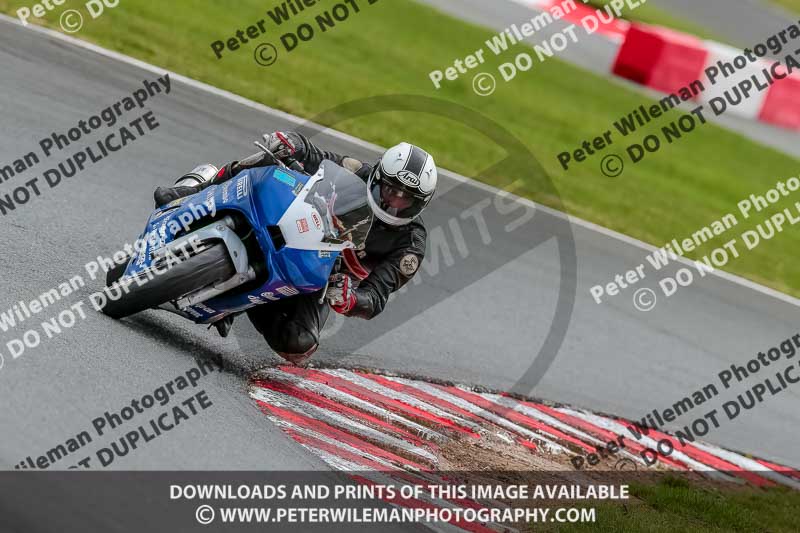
188, 184
292, 327
204, 175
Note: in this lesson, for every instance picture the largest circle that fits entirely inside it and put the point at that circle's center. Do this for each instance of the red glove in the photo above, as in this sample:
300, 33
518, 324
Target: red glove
281, 144
340, 294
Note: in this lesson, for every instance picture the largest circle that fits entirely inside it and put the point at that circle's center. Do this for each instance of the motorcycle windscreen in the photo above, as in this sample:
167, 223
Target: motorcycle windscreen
341, 199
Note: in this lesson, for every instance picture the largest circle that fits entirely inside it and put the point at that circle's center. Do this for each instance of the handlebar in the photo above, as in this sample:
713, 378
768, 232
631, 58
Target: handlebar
290, 163
294, 165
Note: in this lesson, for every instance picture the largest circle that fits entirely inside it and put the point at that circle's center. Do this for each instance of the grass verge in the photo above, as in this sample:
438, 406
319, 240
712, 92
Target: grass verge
792, 5
391, 46
674, 505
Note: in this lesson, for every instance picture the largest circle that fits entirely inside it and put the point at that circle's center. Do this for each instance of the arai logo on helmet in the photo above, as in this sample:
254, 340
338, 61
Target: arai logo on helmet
408, 178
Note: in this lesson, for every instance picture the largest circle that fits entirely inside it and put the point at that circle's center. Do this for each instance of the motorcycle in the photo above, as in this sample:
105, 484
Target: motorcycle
266, 234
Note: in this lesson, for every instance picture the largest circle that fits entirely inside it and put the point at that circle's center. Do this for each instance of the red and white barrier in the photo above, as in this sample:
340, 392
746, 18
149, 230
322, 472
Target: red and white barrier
660, 58
782, 104
668, 61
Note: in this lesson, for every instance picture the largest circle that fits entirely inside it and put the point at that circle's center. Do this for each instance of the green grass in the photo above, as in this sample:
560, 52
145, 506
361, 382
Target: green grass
390, 47
792, 5
673, 505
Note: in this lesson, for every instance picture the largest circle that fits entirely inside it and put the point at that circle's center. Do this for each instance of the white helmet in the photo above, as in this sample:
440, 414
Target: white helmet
402, 184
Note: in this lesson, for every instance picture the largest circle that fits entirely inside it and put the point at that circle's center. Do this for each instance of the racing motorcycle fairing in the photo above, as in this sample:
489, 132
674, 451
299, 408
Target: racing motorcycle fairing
300, 223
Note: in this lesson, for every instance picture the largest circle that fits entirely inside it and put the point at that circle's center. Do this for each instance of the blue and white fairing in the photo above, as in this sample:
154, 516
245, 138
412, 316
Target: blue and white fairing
318, 217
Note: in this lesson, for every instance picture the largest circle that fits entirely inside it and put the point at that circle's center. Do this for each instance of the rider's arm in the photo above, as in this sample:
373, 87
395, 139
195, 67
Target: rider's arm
305, 153
396, 268
311, 157
394, 271
231, 169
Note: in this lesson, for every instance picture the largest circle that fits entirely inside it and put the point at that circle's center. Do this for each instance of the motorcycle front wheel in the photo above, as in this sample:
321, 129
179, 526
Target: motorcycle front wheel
179, 277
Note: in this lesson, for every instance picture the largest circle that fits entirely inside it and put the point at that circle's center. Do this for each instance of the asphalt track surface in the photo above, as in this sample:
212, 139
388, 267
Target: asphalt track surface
741, 23
488, 316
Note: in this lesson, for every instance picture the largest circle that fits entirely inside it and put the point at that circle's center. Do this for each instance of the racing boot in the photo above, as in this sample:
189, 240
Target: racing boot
188, 184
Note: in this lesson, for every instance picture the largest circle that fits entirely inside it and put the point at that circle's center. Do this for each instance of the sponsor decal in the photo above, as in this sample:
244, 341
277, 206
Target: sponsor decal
297, 188
142, 256
160, 215
322, 254
157, 238
302, 225
317, 221
287, 291
284, 178
226, 192
269, 295
243, 186
273, 296
204, 308
408, 178
193, 312
255, 300
409, 264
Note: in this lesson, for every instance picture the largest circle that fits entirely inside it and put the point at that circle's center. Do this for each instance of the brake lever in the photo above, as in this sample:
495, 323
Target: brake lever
267, 151
292, 165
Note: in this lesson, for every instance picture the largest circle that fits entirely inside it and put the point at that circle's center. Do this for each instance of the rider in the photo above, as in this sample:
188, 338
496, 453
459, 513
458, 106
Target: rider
399, 186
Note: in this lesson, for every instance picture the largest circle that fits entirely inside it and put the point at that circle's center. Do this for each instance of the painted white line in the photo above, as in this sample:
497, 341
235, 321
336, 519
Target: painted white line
544, 417
369, 146
748, 464
405, 398
385, 478
339, 421
381, 478
550, 444
505, 401
619, 429
336, 462
347, 399
285, 424
330, 459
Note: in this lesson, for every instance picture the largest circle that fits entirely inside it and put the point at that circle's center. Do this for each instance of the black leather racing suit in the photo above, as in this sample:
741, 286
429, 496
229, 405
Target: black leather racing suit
391, 254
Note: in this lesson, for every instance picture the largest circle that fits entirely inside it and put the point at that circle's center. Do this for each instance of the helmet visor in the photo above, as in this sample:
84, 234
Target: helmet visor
400, 205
